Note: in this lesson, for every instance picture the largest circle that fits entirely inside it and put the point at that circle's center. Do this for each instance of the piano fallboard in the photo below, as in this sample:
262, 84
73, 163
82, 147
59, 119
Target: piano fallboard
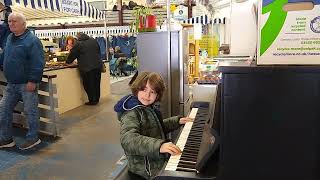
168, 175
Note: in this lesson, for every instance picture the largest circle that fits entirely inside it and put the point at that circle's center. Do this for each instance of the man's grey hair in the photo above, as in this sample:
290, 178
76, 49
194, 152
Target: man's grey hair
20, 16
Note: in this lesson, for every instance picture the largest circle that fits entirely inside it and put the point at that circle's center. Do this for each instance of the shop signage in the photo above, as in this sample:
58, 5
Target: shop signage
164, 2
210, 44
198, 10
289, 33
181, 13
71, 6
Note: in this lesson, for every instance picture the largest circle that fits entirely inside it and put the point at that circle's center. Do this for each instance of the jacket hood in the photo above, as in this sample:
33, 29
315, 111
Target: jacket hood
82, 37
127, 103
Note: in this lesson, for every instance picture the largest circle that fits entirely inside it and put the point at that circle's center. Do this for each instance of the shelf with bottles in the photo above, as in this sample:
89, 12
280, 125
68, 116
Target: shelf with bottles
192, 49
208, 69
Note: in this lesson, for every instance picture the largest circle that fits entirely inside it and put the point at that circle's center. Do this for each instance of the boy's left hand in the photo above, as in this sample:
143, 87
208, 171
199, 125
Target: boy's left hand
185, 119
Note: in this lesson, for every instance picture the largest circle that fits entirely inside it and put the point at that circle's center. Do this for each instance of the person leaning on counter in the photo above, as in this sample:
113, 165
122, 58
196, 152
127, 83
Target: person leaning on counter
87, 52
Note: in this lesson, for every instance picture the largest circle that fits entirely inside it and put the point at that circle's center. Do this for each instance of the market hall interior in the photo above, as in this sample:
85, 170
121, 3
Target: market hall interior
88, 146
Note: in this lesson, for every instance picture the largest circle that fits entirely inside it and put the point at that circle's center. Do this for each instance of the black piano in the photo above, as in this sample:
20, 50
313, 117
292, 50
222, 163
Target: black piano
269, 125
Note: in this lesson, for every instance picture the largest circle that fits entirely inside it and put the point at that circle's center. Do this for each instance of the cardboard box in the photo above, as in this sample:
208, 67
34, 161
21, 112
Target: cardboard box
289, 32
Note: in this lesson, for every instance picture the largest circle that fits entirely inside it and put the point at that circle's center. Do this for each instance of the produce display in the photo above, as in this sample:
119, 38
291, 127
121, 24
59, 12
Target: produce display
62, 55
52, 65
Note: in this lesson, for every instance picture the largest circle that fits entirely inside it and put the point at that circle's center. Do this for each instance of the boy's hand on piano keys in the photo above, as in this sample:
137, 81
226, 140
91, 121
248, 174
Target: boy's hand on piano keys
170, 148
184, 120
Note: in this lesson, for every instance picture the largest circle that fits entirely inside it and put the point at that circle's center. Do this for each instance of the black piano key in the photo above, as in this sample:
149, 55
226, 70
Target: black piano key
188, 146
196, 131
191, 146
188, 149
190, 162
192, 143
183, 165
195, 139
186, 169
189, 158
188, 155
195, 136
187, 163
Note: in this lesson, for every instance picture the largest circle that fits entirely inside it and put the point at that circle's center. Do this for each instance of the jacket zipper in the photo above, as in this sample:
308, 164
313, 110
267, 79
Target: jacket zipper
159, 124
147, 165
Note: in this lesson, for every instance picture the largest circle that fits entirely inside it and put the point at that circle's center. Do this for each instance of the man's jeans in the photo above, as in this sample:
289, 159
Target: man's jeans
11, 95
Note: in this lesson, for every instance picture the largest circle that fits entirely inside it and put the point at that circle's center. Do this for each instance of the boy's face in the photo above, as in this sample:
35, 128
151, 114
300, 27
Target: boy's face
147, 96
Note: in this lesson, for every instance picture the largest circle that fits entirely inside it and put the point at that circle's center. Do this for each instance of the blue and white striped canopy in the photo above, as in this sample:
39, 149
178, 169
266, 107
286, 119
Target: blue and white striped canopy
205, 20
85, 9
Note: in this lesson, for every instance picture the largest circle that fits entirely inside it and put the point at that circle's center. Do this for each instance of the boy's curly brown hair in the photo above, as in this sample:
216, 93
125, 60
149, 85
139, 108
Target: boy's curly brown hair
155, 80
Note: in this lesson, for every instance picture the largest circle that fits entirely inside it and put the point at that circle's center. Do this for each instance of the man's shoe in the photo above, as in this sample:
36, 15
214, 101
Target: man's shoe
7, 143
29, 144
91, 103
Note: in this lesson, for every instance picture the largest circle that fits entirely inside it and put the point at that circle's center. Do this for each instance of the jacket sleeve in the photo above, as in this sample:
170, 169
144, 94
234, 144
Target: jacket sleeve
1, 57
36, 61
171, 123
133, 142
74, 53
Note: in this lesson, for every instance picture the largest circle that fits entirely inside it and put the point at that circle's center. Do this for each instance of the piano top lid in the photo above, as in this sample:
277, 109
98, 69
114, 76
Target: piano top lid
251, 67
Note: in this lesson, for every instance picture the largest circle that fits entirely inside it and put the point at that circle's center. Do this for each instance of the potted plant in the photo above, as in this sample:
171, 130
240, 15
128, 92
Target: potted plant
144, 20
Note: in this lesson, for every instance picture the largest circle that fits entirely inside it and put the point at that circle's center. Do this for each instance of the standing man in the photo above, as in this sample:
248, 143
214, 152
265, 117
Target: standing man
87, 52
4, 27
23, 63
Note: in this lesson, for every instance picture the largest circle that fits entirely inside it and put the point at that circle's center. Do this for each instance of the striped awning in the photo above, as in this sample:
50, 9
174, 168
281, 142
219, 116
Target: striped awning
87, 9
204, 20
55, 8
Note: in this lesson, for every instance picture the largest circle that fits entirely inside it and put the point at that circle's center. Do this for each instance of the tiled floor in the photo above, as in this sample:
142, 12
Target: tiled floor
88, 148
120, 78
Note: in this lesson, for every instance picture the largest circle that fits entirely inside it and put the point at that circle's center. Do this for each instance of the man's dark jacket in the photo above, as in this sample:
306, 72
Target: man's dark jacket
87, 53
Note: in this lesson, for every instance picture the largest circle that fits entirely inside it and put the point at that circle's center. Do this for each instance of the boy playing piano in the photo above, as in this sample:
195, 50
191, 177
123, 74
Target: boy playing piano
143, 131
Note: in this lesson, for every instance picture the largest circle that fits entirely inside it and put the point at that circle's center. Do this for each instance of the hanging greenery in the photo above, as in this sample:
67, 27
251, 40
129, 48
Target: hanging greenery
144, 20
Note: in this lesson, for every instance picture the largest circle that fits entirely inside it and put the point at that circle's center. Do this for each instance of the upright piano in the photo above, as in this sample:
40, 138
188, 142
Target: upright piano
269, 126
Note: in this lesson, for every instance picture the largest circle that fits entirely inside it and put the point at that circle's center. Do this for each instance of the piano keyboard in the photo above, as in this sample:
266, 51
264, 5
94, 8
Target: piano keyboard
189, 142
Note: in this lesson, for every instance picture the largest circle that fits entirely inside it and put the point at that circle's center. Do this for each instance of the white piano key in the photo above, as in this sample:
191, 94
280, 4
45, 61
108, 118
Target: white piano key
193, 113
174, 160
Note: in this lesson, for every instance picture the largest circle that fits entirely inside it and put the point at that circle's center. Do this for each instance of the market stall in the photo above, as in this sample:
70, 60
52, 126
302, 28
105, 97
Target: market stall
55, 11
70, 92
206, 35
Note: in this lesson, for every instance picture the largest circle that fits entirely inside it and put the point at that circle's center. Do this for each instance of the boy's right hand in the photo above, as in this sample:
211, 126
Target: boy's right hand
170, 148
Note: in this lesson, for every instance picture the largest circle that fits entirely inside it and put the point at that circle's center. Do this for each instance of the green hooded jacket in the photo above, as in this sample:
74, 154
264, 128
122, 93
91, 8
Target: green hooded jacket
142, 134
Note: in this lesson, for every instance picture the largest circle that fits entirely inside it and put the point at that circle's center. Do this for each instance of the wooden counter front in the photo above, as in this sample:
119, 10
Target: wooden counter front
70, 90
